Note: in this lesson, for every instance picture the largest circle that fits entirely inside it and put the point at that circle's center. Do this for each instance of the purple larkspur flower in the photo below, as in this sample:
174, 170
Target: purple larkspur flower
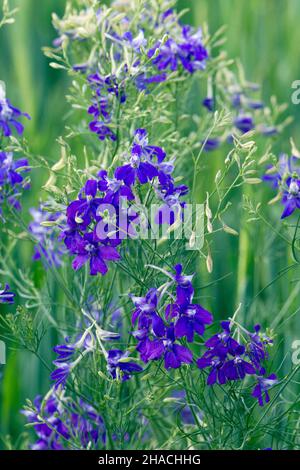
244, 123
105, 90
257, 347
184, 286
114, 189
260, 390
102, 130
209, 103
172, 207
191, 319
211, 144
11, 170
135, 42
291, 197
285, 177
61, 374
89, 249
48, 248
9, 116
143, 161
6, 296
82, 211
146, 313
120, 365
174, 354
58, 420
12, 179
187, 50
225, 358
143, 80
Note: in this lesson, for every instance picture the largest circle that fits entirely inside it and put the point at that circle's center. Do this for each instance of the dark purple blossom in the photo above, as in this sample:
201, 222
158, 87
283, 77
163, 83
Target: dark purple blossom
191, 318
209, 103
187, 50
244, 123
291, 197
146, 161
89, 249
225, 358
9, 116
184, 286
211, 144
60, 375
260, 390
120, 366
285, 177
174, 354
257, 347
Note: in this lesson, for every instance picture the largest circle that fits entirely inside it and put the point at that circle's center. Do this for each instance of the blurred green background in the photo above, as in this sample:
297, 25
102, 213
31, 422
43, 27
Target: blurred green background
264, 34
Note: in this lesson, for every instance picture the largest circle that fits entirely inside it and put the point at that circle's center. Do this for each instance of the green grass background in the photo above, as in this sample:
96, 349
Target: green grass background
264, 34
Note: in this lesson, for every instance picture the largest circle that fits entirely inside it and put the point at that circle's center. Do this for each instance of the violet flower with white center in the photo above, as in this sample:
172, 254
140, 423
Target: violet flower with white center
172, 208
286, 178
173, 353
120, 366
89, 250
291, 197
145, 162
191, 318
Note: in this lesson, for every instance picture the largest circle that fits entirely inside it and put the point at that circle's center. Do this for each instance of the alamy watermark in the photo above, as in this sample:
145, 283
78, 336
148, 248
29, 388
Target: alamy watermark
296, 353
2, 353
296, 93
158, 222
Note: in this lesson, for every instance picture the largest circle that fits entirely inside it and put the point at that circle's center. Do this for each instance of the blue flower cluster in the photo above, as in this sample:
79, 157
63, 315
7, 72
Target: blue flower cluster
99, 202
176, 48
228, 360
158, 336
185, 49
285, 177
58, 419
